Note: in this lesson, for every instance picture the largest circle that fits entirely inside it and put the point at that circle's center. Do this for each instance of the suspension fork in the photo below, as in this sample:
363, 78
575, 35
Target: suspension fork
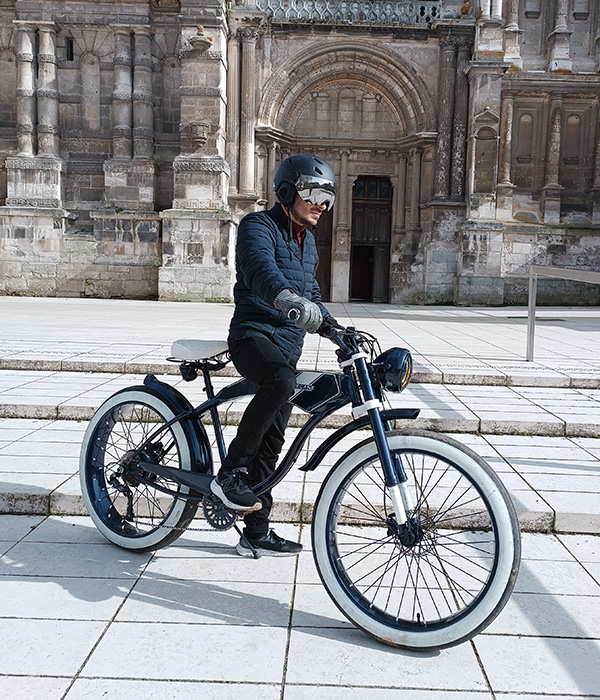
393, 470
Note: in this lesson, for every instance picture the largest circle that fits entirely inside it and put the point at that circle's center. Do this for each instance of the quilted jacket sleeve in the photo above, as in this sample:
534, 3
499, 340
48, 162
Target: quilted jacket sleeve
256, 260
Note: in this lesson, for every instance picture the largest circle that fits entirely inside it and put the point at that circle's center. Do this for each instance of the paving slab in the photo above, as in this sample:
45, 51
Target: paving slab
200, 622
71, 602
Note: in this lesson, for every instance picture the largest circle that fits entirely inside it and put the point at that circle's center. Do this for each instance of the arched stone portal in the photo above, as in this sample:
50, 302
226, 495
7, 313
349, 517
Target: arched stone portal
364, 110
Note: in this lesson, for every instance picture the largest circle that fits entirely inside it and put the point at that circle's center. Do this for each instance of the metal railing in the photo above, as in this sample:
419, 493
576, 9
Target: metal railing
396, 12
562, 273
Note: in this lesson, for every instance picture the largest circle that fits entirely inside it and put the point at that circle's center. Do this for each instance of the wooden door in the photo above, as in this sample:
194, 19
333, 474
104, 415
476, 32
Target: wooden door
371, 233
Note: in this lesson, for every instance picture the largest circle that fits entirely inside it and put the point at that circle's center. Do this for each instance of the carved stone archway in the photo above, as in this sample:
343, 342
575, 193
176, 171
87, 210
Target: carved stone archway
361, 108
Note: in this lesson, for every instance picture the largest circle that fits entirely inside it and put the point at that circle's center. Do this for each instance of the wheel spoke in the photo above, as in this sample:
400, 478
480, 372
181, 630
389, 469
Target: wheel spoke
443, 573
124, 497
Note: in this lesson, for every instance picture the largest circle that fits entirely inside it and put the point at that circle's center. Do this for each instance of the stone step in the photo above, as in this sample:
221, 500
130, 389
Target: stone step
553, 481
451, 408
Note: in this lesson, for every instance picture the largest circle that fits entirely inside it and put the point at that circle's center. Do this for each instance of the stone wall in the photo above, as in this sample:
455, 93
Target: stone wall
134, 135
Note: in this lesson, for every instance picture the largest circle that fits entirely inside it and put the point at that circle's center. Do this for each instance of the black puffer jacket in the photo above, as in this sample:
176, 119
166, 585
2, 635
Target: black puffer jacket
268, 260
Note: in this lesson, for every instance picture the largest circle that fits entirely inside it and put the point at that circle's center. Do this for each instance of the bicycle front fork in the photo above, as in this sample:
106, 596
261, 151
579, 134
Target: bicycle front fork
393, 469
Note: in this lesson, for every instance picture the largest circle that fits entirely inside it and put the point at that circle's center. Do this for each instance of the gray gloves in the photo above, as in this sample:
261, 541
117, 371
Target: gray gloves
305, 314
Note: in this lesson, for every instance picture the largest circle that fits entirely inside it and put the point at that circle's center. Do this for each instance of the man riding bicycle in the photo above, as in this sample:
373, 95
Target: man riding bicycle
277, 301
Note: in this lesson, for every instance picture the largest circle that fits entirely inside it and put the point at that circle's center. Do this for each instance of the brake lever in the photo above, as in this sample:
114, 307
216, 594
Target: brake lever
336, 338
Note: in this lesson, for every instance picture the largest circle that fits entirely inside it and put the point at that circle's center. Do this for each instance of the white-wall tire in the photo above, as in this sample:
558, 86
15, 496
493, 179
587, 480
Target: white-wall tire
159, 519
363, 595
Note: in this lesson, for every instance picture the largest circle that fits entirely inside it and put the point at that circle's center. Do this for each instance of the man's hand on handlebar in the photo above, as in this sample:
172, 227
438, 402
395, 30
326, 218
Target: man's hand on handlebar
329, 327
303, 312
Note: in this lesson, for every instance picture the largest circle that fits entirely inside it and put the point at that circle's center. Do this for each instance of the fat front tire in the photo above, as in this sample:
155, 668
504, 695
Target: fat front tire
456, 574
129, 513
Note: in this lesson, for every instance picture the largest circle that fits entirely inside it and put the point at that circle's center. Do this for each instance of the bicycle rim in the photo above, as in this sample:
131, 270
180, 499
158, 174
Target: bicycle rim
457, 575
128, 511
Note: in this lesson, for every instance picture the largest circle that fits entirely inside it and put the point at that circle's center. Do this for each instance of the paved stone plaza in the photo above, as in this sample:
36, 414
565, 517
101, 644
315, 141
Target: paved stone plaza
83, 619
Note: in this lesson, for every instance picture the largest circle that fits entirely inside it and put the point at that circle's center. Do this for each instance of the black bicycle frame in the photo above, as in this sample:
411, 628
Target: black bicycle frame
200, 482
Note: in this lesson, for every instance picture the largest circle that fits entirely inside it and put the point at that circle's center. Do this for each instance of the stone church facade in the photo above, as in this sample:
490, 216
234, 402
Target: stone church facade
465, 136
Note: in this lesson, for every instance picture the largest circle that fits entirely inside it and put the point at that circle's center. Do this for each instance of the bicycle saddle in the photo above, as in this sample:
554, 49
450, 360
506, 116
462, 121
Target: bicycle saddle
197, 350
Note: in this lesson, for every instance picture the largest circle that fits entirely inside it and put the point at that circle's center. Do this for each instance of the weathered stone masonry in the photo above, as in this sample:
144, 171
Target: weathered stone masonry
465, 137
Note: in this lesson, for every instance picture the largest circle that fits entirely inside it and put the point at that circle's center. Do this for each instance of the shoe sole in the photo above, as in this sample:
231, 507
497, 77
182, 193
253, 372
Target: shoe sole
245, 552
218, 491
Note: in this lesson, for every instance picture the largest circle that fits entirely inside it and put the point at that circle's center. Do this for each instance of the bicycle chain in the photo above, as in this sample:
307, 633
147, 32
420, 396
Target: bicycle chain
217, 515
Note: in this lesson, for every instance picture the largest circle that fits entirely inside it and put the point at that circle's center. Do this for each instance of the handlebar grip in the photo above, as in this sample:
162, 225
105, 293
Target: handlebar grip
293, 314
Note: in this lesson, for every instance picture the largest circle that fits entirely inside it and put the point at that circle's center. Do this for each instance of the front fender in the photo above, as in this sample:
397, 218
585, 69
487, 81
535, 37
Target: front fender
193, 429
362, 422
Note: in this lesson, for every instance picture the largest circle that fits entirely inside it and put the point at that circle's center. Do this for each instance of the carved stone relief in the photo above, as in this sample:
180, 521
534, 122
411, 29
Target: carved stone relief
344, 111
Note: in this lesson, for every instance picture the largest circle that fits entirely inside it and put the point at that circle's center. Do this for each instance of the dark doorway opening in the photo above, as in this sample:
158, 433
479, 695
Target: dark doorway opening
362, 272
371, 233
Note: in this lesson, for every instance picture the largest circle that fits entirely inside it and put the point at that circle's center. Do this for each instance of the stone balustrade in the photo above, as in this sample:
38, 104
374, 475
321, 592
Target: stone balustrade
343, 11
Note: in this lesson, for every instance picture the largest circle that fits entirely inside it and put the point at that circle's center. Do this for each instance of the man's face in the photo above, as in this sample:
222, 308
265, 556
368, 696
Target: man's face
306, 214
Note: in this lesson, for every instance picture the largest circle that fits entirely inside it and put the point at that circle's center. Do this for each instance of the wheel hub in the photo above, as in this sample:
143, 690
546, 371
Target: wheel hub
131, 465
408, 534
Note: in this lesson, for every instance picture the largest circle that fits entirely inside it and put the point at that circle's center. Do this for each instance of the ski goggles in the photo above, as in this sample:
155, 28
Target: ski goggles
317, 196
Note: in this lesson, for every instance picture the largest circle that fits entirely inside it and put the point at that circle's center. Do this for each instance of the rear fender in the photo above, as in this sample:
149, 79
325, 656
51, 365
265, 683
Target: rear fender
195, 432
362, 422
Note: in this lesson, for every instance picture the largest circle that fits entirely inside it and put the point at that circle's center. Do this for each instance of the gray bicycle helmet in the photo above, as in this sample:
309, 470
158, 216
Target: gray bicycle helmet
308, 176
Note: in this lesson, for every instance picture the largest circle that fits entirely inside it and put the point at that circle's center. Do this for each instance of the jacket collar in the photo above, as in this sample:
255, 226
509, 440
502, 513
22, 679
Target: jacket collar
279, 216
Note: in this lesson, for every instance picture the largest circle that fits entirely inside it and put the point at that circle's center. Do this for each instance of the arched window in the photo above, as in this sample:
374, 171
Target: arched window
572, 143
170, 98
8, 105
486, 157
525, 139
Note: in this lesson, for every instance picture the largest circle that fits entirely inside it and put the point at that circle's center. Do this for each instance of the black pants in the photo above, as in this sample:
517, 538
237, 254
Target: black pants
261, 432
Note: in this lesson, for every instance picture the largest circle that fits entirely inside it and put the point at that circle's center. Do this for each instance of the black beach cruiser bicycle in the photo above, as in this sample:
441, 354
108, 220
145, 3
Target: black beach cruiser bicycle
414, 536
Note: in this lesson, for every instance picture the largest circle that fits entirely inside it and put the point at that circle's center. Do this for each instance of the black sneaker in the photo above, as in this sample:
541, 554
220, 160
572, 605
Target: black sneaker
270, 545
233, 489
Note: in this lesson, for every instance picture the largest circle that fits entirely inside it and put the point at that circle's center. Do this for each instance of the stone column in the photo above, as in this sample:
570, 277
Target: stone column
37, 179
512, 36
485, 106
198, 234
343, 191
560, 40
233, 110
340, 254
400, 196
121, 96
143, 118
596, 187
459, 124
249, 36
447, 80
552, 189
489, 34
399, 238
47, 92
271, 169
26, 102
414, 218
130, 175
505, 186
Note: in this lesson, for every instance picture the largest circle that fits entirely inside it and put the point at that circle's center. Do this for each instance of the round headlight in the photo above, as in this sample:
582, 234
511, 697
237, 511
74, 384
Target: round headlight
393, 368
